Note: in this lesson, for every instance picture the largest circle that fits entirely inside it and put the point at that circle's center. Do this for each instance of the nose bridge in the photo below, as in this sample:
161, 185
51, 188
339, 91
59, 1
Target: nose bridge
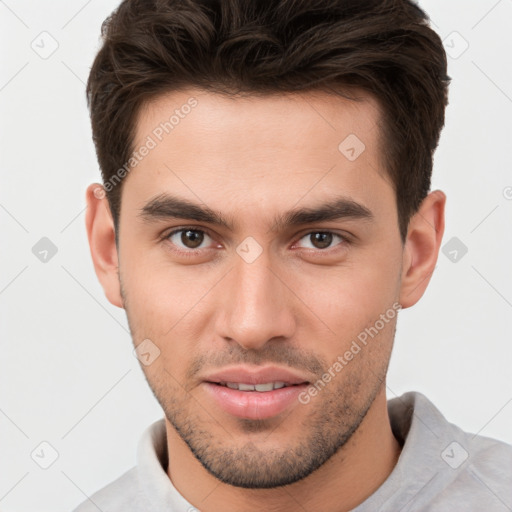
257, 305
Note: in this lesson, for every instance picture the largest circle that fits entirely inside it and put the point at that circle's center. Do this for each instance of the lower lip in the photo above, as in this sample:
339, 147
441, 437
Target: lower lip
254, 405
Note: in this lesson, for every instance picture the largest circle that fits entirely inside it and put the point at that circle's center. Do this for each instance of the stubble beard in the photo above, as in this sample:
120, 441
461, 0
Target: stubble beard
329, 425
335, 415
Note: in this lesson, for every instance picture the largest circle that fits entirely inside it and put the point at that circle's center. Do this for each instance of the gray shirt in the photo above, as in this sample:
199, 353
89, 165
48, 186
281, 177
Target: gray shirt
441, 468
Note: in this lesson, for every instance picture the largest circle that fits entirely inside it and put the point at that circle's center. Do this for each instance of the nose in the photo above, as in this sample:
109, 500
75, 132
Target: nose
257, 305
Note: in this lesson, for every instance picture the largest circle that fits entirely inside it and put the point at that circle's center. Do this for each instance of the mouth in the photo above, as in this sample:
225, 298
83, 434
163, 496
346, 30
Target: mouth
255, 394
261, 388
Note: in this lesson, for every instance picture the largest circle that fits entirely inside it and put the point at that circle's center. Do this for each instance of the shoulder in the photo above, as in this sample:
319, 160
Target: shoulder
479, 477
456, 470
121, 495
488, 469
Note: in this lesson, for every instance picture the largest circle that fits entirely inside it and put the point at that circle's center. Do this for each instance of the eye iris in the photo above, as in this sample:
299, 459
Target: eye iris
192, 239
324, 240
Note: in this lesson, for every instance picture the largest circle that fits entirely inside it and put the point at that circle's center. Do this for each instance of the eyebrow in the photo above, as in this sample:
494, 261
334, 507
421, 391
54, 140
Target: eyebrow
165, 206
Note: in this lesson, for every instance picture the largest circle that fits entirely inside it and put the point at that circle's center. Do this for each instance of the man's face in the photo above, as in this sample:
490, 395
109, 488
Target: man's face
254, 300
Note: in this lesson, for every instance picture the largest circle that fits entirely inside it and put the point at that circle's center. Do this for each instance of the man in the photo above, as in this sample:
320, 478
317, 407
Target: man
265, 214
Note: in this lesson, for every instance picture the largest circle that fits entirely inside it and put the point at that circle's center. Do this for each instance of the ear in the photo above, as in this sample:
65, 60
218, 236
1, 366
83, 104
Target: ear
424, 235
101, 235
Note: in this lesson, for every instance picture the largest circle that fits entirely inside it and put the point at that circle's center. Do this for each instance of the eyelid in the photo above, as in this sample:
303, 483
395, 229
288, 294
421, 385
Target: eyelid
173, 231
345, 239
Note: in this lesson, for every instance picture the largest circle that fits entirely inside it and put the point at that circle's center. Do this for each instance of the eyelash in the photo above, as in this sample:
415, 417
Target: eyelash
194, 252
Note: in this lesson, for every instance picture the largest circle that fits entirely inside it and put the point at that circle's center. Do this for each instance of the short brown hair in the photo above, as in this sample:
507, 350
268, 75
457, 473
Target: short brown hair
383, 47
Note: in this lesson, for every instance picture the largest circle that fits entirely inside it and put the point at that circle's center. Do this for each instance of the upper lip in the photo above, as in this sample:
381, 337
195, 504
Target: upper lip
258, 375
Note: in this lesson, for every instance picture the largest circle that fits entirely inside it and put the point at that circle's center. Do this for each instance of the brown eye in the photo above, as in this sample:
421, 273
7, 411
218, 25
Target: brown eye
187, 238
322, 239
192, 239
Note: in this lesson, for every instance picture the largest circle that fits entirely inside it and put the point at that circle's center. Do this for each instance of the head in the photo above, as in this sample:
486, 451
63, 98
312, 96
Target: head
292, 143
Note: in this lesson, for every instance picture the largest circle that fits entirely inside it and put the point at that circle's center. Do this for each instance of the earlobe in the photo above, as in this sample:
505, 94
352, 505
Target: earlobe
101, 236
424, 236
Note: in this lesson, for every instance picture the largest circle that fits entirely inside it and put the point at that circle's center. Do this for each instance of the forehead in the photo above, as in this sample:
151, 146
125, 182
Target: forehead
261, 116
260, 151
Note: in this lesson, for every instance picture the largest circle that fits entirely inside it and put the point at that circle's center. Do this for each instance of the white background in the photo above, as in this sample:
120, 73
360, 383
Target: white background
68, 375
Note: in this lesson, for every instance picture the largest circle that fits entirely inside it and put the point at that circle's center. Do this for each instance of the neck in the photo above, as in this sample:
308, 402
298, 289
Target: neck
355, 472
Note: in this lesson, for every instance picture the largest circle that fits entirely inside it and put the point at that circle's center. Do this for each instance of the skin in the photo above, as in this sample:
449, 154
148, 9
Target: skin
298, 305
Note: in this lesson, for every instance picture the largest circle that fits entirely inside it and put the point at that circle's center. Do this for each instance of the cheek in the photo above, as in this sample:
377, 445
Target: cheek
349, 297
169, 302
167, 305
156, 288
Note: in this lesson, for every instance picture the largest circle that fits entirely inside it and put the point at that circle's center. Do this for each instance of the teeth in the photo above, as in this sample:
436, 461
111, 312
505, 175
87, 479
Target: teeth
268, 386
264, 387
